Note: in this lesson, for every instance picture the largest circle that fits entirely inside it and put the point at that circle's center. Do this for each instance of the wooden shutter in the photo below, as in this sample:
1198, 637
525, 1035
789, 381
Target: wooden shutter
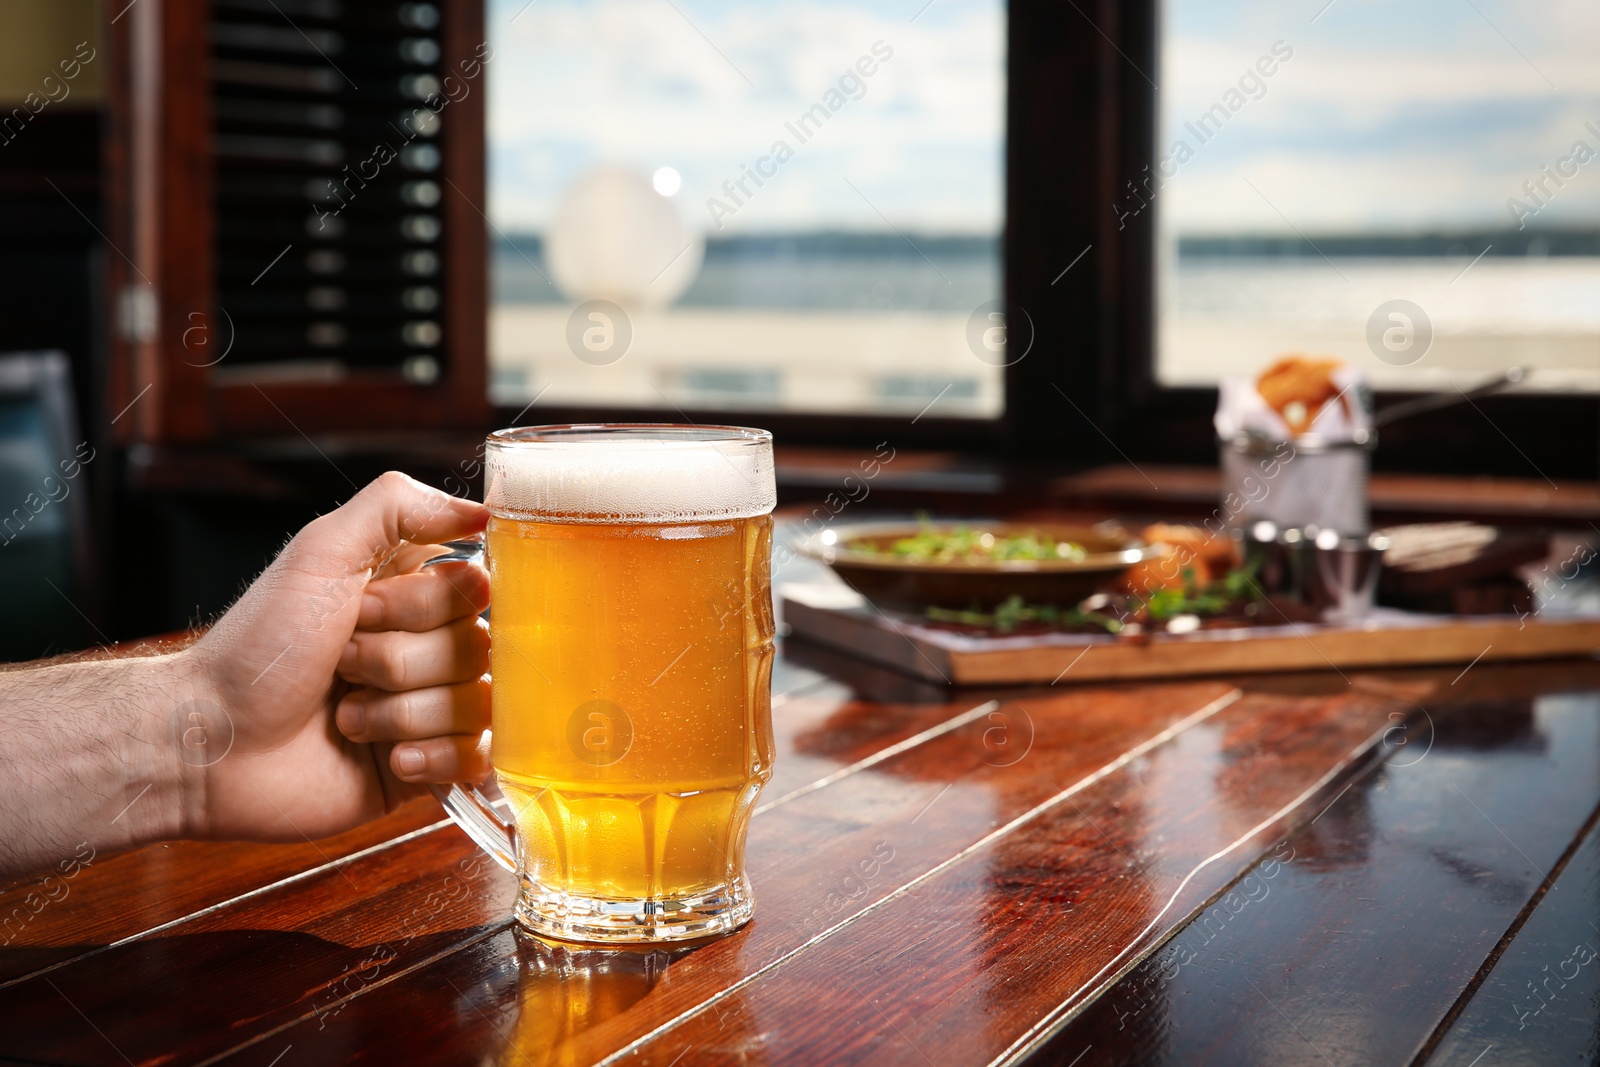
294, 197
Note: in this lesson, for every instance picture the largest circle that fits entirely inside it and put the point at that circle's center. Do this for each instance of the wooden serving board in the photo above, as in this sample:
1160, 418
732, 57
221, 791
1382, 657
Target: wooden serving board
832, 614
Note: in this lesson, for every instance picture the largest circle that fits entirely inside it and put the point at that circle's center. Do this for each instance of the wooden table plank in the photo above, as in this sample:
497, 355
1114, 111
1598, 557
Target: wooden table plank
1040, 918
916, 875
1350, 944
118, 897
677, 999
800, 853
817, 737
1541, 1001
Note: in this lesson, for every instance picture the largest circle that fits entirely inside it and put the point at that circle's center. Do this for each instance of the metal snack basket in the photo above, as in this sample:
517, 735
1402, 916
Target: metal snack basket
1311, 481
1306, 482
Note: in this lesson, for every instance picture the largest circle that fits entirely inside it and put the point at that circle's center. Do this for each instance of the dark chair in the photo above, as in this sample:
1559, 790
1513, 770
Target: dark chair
44, 510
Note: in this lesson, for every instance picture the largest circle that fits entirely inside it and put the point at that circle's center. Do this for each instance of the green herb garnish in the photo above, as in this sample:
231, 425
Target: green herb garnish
968, 545
1014, 611
1112, 613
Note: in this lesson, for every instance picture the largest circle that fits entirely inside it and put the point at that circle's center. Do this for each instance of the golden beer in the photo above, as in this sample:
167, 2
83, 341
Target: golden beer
632, 644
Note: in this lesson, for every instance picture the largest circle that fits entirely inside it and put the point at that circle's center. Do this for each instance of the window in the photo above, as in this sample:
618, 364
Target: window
783, 207
1412, 187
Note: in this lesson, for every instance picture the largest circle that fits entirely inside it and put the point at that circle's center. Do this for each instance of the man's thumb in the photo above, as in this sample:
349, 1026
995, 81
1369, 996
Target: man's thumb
390, 511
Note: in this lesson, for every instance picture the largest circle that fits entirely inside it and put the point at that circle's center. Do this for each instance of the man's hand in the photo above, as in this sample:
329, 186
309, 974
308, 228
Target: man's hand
345, 677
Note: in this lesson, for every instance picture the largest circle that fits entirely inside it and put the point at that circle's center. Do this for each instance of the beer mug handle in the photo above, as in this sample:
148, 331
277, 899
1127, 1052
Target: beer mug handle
489, 830
469, 808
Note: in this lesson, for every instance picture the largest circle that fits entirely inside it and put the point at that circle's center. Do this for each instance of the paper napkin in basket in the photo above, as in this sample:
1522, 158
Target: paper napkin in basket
1295, 396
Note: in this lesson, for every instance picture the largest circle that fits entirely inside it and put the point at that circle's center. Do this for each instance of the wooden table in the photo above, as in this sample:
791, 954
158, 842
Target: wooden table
1382, 868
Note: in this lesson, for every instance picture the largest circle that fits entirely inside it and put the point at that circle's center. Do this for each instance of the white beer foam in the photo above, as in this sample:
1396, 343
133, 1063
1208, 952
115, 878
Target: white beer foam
619, 480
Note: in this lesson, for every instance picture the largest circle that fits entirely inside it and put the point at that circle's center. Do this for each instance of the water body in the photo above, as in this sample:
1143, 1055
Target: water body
824, 270
1229, 315
1229, 304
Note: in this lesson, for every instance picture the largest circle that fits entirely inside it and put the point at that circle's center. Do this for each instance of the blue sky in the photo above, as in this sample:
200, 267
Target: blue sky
1391, 115
705, 87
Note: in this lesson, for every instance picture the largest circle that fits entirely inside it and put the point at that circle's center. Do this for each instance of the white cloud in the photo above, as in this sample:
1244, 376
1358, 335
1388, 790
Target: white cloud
1389, 115
576, 83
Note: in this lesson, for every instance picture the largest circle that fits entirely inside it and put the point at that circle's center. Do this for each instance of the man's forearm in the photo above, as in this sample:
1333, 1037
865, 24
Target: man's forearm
92, 752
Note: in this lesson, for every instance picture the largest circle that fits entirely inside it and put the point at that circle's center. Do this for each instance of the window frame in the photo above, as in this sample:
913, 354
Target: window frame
161, 282
1082, 122
982, 436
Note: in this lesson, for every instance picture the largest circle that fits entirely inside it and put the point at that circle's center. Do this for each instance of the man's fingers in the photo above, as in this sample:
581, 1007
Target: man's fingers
396, 660
408, 558
376, 715
456, 758
429, 598
390, 511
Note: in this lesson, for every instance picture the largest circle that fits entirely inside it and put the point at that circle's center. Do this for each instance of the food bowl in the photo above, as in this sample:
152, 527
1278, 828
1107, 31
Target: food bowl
913, 585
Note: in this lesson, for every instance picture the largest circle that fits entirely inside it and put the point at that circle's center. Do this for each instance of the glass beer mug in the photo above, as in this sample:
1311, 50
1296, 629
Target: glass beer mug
631, 660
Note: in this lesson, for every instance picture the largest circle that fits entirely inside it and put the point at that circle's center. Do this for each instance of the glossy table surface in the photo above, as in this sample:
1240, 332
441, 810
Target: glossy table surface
1367, 868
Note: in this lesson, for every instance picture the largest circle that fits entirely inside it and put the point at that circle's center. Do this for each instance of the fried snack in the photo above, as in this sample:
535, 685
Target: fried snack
1297, 387
1206, 556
